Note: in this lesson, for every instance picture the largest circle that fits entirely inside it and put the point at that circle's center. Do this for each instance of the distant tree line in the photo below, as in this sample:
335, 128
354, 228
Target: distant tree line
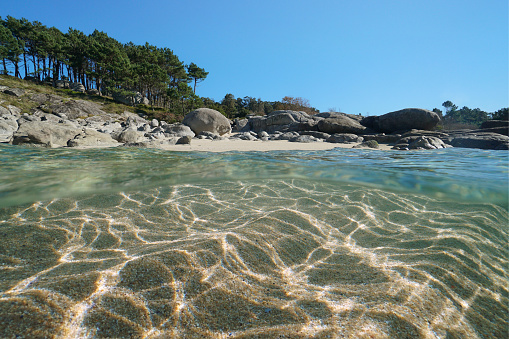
466, 117
98, 61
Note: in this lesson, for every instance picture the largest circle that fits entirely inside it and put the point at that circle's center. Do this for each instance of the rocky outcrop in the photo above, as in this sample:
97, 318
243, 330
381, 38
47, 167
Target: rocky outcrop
402, 120
341, 124
74, 109
496, 126
56, 122
17, 92
43, 133
482, 140
206, 119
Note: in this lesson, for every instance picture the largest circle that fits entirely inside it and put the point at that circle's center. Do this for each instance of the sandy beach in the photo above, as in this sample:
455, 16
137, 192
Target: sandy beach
227, 145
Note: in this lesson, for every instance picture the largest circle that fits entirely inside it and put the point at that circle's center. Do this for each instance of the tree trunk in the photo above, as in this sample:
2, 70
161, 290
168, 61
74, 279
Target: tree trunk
25, 61
36, 73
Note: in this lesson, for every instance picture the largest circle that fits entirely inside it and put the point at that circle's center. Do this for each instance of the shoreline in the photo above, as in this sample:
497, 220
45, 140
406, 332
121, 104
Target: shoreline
226, 145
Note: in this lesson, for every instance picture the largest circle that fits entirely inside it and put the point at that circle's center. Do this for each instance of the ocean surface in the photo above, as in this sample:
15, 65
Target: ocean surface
346, 243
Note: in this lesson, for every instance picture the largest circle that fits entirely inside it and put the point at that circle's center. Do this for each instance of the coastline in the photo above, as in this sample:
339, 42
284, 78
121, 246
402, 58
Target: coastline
226, 145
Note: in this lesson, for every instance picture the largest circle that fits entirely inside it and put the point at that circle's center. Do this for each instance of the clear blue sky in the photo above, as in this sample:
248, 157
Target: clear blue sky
359, 56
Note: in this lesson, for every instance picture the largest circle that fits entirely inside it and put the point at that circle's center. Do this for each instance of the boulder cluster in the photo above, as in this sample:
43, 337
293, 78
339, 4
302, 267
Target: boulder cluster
58, 122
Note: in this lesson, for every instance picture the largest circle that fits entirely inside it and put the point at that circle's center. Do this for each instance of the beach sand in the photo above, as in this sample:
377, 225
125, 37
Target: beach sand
227, 145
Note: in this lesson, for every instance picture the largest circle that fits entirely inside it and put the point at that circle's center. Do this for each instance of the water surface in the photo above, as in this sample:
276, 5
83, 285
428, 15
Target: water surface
339, 244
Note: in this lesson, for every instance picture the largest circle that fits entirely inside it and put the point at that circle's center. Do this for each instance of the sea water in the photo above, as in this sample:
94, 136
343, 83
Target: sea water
345, 243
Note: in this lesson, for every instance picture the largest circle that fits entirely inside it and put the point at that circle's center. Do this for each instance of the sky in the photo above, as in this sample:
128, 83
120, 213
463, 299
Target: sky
355, 56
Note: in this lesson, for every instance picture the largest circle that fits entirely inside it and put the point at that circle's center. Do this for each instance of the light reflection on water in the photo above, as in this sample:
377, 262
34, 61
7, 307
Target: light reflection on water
255, 259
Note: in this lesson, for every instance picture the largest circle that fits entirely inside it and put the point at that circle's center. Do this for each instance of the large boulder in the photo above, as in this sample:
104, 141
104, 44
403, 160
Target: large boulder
44, 133
129, 136
341, 124
207, 120
405, 119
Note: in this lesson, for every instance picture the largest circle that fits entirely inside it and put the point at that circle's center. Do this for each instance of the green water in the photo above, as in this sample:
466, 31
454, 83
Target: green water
334, 244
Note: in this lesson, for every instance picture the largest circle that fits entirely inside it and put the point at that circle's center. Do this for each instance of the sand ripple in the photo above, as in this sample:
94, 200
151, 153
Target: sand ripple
296, 259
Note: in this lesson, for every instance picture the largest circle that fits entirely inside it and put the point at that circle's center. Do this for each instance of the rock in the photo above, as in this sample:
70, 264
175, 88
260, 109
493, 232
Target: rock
316, 134
425, 142
262, 134
258, 123
209, 135
185, 140
77, 87
42, 133
132, 99
129, 136
280, 118
240, 125
62, 84
482, 140
8, 125
383, 138
286, 136
14, 110
496, 126
305, 138
74, 109
41, 98
206, 119
419, 142
344, 138
92, 138
178, 130
405, 119
17, 92
247, 136
4, 111
336, 114
93, 91
341, 124
133, 120
31, 78
154, 123
368, 144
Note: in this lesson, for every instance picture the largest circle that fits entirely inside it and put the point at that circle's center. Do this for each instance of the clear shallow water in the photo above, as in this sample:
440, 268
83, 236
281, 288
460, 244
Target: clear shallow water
343, 243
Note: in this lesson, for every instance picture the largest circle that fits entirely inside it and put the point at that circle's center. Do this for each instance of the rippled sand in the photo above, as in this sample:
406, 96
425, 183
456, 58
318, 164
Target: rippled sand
266, 259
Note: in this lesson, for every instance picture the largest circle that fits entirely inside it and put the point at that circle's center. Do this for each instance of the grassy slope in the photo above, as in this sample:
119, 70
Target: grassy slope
107, 103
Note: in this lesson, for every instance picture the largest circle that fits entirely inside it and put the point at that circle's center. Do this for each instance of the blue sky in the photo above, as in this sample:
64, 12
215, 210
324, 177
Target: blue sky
357, 56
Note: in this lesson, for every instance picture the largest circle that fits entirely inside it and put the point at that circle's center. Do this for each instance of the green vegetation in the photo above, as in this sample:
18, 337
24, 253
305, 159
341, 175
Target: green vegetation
466, 118
100, 62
